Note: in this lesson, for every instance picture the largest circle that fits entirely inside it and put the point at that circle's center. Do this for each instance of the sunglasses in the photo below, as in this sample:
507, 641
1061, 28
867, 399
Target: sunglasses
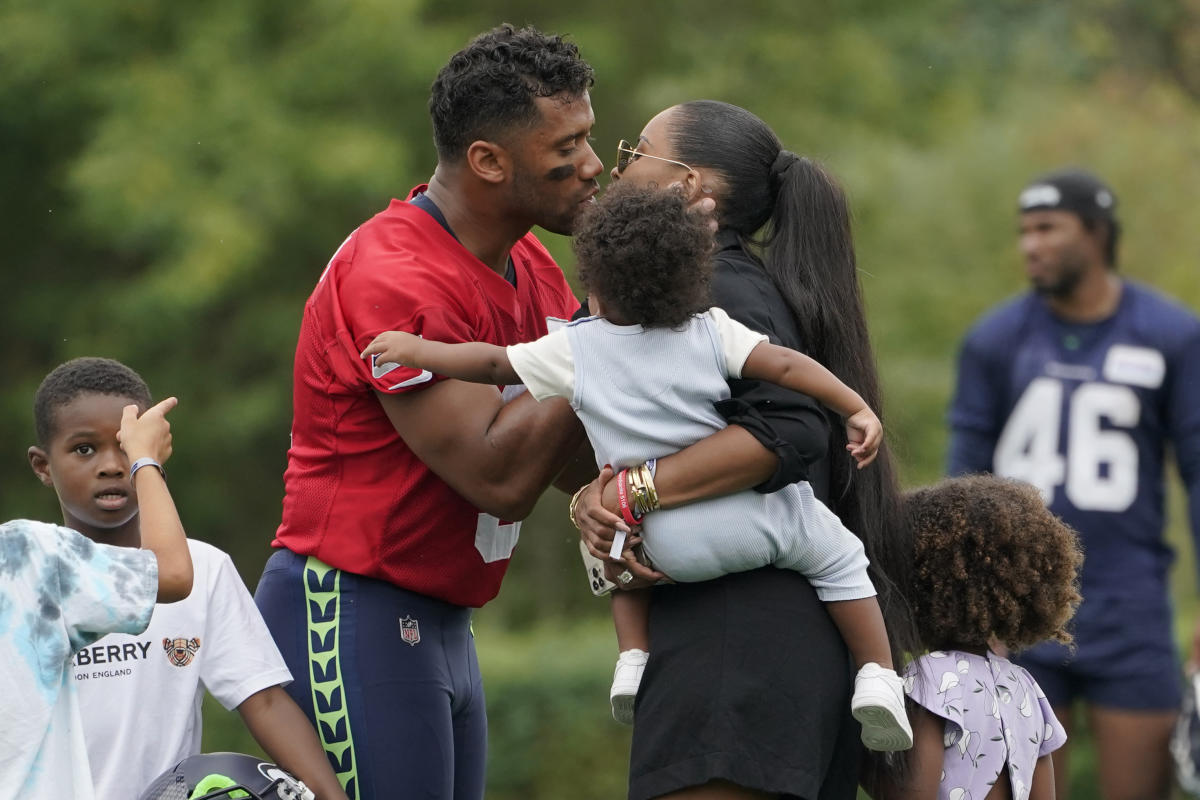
627, 154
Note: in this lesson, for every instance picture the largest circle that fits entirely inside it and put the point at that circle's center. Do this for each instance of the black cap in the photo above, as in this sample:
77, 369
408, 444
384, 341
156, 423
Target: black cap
1072, 190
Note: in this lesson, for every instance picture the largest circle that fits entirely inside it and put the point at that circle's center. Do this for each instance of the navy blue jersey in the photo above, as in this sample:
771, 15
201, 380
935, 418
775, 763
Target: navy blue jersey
1084, 412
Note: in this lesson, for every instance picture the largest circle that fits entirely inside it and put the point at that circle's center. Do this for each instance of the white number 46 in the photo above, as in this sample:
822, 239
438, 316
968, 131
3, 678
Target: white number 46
1100, 469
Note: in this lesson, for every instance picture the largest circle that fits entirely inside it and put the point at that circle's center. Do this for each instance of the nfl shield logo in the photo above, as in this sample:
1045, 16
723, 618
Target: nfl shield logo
410, 631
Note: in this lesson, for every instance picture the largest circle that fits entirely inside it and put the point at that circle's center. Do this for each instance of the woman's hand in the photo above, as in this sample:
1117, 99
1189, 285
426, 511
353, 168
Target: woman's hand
864, 433
639, 575
597, 525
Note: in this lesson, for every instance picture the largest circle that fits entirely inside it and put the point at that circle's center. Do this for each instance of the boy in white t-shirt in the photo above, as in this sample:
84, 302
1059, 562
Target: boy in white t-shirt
642, 375
140, 694
60, 592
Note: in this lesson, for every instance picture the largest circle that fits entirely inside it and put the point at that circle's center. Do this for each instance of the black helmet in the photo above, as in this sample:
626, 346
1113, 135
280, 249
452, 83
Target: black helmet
225, 776
1185, 742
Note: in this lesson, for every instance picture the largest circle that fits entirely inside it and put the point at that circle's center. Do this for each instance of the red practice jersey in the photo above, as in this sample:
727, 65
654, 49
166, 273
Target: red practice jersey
356, 497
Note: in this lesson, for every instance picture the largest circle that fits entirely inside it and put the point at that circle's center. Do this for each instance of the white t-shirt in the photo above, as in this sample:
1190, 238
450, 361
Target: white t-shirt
140, 696
547, 367
59, 591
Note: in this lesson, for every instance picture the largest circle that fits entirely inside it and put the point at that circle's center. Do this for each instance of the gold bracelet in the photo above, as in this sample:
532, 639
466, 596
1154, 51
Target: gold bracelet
644, 495
637, 491
647, 478
572, 504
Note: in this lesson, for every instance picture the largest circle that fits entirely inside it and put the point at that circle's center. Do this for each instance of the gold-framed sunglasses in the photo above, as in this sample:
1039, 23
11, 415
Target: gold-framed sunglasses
627, 154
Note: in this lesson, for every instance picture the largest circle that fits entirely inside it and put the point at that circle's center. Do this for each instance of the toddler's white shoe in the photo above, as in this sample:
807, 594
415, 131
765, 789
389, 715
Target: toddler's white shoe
626, 679
878, 704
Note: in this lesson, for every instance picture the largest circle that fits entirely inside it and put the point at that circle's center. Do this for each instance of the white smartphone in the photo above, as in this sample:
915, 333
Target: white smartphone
599, 584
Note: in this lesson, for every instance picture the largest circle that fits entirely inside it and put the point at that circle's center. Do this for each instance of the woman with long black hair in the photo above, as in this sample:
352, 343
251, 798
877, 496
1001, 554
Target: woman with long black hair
746, 690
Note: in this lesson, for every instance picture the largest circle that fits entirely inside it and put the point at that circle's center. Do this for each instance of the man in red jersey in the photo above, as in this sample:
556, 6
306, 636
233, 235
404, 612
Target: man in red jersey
404, 489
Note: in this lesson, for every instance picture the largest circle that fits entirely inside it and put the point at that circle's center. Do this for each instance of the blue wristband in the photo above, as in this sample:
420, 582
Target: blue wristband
145, 462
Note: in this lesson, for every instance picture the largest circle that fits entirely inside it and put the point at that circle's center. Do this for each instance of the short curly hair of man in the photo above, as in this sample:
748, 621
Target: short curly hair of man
487, 89
991, 561
646, 255
81, 376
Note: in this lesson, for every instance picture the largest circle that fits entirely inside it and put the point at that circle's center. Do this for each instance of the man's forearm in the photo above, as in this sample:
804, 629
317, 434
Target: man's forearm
498, 456
531, 444
580, 469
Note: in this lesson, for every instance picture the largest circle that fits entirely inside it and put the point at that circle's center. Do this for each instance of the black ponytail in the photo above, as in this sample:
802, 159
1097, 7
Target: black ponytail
808, 250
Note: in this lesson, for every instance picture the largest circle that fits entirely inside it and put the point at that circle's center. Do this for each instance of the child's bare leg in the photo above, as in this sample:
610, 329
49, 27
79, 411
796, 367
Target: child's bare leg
861, 625
878, 701
631, 617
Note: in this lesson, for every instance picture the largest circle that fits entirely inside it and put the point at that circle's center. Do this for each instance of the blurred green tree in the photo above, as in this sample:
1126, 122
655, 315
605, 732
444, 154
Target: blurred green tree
177, 175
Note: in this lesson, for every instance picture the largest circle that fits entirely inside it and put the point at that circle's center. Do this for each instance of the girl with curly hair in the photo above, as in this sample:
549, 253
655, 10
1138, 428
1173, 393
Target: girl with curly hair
992, 565
643, 375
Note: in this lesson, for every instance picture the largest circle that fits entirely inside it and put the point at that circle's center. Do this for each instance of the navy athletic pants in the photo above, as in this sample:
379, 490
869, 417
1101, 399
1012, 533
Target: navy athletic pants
389, 678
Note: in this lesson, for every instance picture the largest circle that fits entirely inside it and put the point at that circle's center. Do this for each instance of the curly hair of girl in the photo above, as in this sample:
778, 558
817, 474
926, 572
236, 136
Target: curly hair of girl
990, 561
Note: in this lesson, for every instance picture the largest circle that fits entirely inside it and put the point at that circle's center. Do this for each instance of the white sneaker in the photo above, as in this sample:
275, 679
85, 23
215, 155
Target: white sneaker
626, 679
878, 704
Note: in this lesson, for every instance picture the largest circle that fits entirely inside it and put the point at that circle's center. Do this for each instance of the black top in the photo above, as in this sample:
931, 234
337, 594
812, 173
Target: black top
793, 425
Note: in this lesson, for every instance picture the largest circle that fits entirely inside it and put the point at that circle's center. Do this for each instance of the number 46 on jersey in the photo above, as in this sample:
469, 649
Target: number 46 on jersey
1095, 463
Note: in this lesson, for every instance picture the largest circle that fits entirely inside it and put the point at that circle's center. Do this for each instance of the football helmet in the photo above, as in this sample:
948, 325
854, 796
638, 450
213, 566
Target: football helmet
225, 776
1185, 742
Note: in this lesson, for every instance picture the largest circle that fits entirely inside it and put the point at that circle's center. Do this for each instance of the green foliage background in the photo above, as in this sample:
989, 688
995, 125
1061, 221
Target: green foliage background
177, 175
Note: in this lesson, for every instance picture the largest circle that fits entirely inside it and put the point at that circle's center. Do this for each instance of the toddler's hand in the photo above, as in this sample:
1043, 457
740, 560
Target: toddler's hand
864, 432
393, 347
148, 435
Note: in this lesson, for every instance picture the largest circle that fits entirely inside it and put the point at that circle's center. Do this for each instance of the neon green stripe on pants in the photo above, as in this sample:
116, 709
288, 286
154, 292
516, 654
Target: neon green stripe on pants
322, 599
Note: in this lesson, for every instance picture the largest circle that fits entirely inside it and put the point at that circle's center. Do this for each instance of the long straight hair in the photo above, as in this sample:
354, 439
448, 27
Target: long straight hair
792, 215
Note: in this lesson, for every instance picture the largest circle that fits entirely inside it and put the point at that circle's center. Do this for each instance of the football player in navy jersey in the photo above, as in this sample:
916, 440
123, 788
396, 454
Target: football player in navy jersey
1077, 387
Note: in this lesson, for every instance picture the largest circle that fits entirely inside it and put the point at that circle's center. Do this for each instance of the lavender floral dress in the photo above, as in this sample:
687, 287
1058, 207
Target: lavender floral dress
995, 716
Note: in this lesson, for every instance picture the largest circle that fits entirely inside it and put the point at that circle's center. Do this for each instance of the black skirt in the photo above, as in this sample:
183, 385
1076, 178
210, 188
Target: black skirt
748, 681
